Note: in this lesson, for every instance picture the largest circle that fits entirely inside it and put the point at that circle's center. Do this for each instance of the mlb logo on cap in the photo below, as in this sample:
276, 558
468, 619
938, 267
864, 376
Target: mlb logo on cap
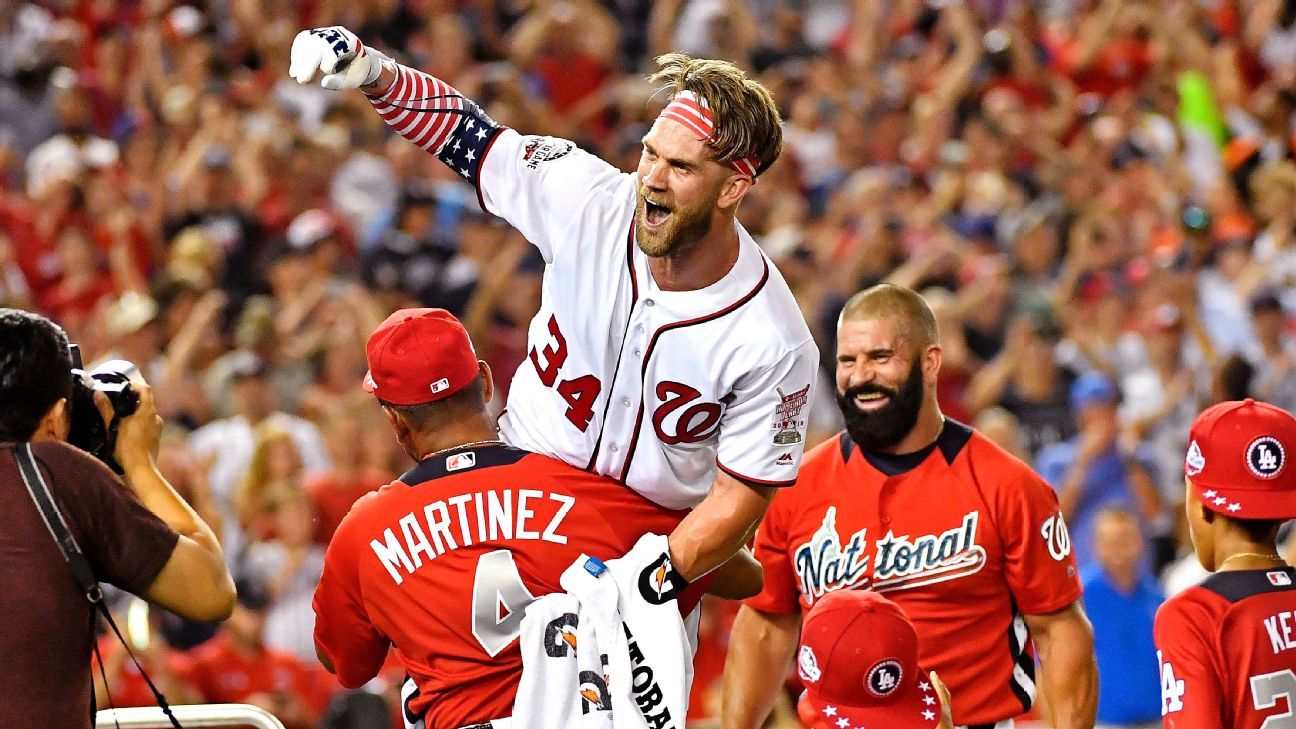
859, 660
1237, 460
418, 356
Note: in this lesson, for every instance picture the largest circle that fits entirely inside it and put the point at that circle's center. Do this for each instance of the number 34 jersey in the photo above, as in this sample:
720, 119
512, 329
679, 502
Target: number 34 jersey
656, 389
1228, 652
440, 563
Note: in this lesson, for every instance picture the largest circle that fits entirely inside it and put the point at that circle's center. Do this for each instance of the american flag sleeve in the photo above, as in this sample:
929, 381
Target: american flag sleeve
434, 116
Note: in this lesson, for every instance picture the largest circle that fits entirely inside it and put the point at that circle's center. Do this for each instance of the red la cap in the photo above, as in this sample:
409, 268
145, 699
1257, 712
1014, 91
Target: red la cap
859, 662
1237, 460
418, 356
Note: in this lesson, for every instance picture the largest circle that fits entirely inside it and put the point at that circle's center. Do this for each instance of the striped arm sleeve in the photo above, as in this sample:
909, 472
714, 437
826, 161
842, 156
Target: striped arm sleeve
438, 119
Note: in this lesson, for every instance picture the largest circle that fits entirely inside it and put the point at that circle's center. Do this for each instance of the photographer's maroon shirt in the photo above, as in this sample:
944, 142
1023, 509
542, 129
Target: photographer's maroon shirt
45, 644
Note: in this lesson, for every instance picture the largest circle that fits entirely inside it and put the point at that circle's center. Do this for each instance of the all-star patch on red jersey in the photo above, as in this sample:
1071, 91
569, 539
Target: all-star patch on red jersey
1228, 652
441, 563
963, 536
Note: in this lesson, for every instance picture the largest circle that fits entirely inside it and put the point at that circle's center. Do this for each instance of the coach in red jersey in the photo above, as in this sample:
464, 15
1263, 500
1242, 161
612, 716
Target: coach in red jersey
961, 535
441, 563
1228, 646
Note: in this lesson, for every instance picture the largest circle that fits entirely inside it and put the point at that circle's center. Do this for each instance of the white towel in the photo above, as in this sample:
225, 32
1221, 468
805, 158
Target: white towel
630, 663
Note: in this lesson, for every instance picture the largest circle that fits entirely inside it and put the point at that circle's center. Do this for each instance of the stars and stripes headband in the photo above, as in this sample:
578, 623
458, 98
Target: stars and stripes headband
691, 110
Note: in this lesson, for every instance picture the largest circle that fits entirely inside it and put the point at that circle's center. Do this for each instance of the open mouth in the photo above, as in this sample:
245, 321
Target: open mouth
872, 401
654, 214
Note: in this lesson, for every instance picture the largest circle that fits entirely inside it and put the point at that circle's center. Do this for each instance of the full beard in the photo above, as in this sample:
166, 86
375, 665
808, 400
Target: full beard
685, 227
884, 428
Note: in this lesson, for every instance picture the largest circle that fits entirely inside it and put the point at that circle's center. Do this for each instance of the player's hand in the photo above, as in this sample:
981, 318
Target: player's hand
947, 720
336, 52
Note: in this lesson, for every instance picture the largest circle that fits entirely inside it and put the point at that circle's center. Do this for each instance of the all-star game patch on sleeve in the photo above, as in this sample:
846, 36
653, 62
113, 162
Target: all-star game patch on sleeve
762, 434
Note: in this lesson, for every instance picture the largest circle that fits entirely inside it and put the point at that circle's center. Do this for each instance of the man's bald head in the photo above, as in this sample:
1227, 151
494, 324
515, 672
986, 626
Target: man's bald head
903, 305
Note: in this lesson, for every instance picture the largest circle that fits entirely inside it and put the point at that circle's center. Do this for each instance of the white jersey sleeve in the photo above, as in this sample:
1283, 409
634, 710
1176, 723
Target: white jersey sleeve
762, 434
540, 185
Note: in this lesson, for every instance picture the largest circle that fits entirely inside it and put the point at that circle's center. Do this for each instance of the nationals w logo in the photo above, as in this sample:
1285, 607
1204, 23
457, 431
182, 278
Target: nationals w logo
679, 419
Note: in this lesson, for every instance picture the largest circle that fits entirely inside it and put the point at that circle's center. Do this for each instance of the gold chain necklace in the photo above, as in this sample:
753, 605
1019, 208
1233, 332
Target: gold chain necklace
462, 446
1239, 555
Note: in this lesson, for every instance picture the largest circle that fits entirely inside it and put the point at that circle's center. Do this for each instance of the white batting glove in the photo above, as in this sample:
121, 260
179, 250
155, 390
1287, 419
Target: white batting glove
345, 61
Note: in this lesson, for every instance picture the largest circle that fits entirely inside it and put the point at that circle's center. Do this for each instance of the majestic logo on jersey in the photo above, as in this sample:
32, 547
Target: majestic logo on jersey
544, 149
1056, 536
676, 423
1194, 462
808, 665
787, 416
785, 459
902, 563
1265, 457
884, 678
824, 566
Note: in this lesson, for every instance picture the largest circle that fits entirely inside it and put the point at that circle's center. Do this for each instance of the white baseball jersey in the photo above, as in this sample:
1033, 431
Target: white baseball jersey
654, 388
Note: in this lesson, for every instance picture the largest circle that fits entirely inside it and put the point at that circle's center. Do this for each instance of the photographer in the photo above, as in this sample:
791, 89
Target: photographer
137, 535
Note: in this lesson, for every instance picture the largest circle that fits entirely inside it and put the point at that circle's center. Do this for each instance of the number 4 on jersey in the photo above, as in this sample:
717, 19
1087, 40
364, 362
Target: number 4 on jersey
1172, 688
580, 393
498, 599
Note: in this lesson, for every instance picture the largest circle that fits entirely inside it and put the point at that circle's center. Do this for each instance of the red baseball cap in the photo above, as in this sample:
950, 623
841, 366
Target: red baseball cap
859, 661
1237, 460
418, 356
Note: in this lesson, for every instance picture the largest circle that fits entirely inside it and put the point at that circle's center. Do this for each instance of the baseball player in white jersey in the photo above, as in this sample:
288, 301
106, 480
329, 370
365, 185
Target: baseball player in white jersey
668, 352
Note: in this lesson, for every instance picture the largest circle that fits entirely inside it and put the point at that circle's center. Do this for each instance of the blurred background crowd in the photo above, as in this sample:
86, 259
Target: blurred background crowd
1098, 197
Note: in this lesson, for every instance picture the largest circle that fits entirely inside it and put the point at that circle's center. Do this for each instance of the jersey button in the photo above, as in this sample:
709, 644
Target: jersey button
649, 302
638, 353
613, 448
625, 401
886, 520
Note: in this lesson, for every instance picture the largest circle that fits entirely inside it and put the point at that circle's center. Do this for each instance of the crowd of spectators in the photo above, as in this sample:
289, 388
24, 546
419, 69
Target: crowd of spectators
1098, 198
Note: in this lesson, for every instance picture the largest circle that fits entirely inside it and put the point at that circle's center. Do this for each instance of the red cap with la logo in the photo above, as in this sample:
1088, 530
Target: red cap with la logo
1237, 460
418, 356
858, 659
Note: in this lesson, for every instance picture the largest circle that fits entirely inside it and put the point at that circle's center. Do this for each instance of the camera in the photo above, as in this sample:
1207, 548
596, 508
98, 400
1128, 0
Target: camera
89, 432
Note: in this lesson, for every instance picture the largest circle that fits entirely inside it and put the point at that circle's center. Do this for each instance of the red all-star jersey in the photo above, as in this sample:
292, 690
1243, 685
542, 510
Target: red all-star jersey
1228, 652
440, 563
963, 536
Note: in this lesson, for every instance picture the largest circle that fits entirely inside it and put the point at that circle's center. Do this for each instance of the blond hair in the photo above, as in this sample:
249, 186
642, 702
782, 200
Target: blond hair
747, 122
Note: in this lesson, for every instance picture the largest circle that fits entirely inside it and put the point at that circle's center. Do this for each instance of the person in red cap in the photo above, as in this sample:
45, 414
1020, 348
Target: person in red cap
1227, 647
858, 659
441, 563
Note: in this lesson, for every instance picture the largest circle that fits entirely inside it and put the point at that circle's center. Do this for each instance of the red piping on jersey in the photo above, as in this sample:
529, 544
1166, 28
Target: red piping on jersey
749, 479
634, 299
643, 370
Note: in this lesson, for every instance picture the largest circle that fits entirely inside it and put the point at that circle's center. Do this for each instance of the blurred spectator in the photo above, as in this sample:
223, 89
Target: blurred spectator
273, 476
1121, 600
228, 445
332, 491
126, 686
237, 667
1275, 356
1003, 429
289, 565
1026, 380
1093, 472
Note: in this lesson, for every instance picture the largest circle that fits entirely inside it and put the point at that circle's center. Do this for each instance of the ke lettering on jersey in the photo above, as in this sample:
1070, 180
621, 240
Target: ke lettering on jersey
481, 516
1226, 652
823, 564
